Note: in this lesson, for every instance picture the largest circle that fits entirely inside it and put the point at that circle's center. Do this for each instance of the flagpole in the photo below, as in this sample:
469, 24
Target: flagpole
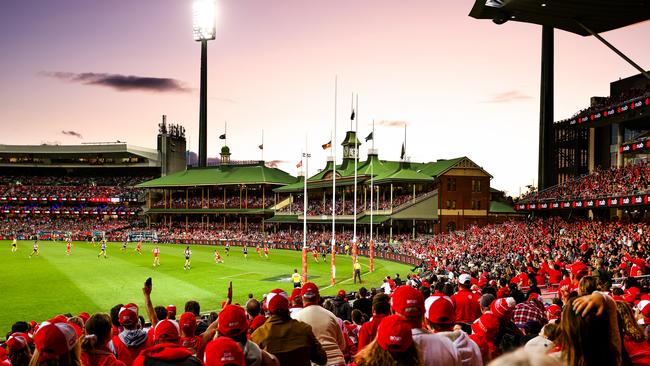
333, 255
262, 145
356, 162
225, 132
372, 194
305, 157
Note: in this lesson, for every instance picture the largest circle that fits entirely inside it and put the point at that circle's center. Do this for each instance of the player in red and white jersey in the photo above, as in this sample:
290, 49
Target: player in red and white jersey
156, 256
266, 251
138, 247
314, 253
68, 247
257, 249
217, 257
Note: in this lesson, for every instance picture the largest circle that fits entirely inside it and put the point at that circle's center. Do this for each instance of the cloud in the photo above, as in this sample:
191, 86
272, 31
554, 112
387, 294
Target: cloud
275, 163
509, 96
72, 133
390, 123
120, 82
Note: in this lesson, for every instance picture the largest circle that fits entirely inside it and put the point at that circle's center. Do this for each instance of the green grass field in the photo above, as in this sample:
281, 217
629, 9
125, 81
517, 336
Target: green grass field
54, 283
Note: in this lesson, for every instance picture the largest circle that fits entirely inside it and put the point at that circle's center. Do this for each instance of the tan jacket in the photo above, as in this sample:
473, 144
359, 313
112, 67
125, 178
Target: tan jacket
327, 330
291, 341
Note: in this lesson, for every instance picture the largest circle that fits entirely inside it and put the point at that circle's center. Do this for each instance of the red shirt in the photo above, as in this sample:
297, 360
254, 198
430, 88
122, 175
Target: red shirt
368, 330
100, 357
128, 354
194, 344
467, 306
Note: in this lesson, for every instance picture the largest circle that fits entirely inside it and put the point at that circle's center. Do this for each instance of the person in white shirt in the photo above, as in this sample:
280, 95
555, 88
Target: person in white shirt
436, 350
323, 323
386, 287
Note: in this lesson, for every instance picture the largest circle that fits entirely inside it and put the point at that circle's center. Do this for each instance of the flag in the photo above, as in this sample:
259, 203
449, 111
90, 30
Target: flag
222, 137
352, 116
403, 154
327, 145
261, 147
369, 137
299, 165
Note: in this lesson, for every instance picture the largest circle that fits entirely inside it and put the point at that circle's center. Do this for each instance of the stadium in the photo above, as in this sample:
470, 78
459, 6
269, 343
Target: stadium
117, 254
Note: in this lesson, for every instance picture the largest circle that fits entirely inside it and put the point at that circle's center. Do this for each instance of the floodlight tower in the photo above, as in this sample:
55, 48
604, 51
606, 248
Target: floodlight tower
204, 16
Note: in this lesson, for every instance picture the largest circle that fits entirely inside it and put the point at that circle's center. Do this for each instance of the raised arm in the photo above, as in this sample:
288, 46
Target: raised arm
151, 313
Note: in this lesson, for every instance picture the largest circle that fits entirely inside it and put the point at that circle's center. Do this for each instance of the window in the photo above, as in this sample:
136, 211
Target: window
451, 204
451, 184
476, 204
476, 185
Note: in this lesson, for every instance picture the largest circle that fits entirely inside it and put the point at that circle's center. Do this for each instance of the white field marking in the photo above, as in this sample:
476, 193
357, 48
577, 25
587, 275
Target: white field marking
236, 275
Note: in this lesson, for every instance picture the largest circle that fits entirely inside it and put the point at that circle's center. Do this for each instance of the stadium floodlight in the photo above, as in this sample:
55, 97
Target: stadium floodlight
204, 19
204, 14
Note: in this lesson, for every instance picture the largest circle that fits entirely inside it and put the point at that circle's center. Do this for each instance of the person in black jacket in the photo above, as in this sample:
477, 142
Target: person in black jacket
342, 308
363, 303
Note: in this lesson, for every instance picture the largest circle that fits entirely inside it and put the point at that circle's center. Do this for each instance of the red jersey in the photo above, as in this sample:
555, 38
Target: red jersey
194, 344
266, 250
217, 255
100, 357
257, 249
155, 252
467, 307
368, 330
69, 246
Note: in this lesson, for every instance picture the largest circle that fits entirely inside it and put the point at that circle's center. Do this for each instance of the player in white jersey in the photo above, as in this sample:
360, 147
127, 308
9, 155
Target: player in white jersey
188, 254
103, 250
35, 249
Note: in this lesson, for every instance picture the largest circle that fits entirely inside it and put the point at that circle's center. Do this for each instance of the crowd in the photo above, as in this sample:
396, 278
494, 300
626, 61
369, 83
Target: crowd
600, 183
72, 187
59, 227
216, 202
346, 207
613, 101
456, 318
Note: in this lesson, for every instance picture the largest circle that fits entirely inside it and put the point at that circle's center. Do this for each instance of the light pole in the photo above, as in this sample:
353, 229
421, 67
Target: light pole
204, 29
305, 157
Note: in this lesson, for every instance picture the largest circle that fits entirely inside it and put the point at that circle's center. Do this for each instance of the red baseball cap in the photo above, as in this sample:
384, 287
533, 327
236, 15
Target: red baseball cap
644, 308
341, 294
171, 310
54, 339
440, 310
232, 321
187, 322
166, 330
223, 351
503, 307
128, 314
554, 311
257, 322
487, 325
18, 341
579, 269
310, 292
407, 301
394, 334
84, 316
277, 300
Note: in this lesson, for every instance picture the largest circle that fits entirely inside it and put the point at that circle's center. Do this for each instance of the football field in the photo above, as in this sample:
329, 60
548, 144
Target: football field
52, 283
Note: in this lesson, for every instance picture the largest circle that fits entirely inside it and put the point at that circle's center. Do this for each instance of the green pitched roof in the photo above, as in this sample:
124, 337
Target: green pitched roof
501, 208
223, 175
434, 169
404, 174
377, 167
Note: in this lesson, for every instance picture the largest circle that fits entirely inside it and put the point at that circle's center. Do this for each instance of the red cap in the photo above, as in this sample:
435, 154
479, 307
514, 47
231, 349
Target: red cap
426, 284
533, 296
171, 310
487, 325
310, 292
503, 307
18, 341
277, 300
84, 316
407, 301
166, 330
128, 314
394, 334
54, 339
440, 310
579, 269
341, 294
644, 308
295, 293
554, 311
257, 322
223, 351
77, 329
187, 322
232, 321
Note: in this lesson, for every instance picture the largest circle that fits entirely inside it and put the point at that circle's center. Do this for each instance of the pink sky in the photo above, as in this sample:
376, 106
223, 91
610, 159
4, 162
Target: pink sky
272, 67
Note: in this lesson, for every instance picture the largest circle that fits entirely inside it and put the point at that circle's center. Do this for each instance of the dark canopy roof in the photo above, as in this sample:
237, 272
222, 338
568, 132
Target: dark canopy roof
598, 15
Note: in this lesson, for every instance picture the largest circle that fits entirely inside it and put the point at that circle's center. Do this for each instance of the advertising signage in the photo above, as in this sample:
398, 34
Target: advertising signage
69, 199
622, 108
624, 201
635, 147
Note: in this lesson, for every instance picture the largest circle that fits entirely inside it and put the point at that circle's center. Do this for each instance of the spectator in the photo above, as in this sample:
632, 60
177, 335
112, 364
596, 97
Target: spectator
323, 323
193, 307
393, 346
291, 341
166, 350
133, 339
362, 302
95, 350
465, 301
18, 349
634, 342
380, 310
234, 325
195, 343
223, 351
342, 308
56, 344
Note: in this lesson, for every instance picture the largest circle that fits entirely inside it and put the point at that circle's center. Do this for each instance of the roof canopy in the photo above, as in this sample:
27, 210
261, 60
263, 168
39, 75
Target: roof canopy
598, 15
